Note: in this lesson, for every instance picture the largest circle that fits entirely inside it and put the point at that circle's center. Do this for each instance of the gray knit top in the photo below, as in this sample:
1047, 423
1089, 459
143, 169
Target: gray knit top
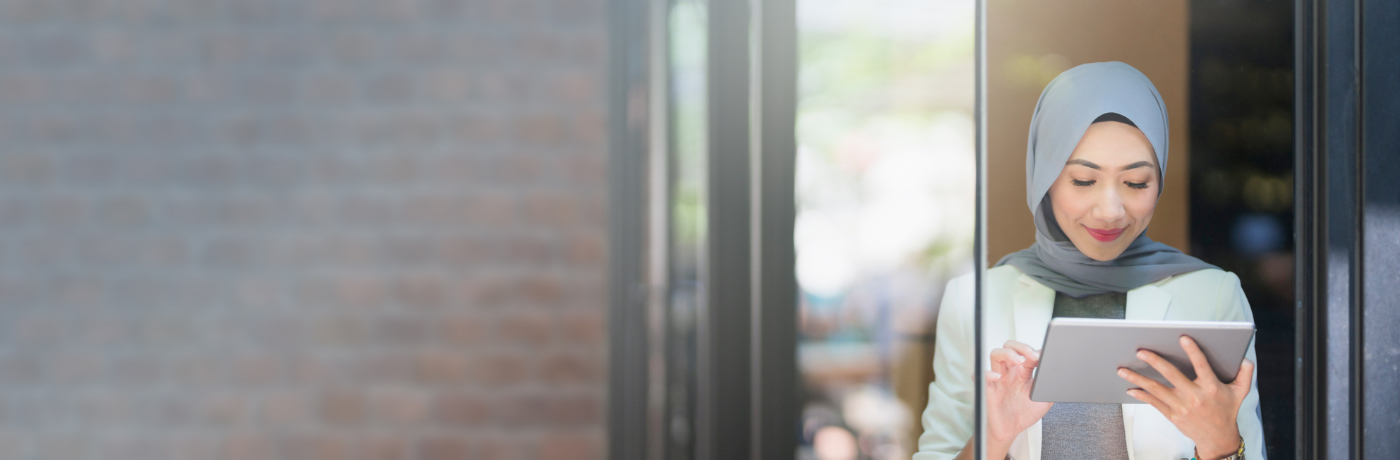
1085, 430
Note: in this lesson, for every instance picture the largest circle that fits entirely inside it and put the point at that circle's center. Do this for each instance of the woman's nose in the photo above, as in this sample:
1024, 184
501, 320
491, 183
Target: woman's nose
1109, 207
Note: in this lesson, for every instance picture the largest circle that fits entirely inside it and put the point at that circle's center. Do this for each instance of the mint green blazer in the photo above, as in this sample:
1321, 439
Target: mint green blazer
1019, 308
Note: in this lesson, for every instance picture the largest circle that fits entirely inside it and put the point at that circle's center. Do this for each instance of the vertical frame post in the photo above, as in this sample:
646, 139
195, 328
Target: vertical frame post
1378, 341
1311, 254
774, 213
628, 88
1348, 99
723, 416
979, 250
746, 363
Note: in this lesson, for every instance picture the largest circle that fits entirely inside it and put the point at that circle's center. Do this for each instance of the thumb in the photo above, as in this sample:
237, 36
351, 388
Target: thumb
1243, 379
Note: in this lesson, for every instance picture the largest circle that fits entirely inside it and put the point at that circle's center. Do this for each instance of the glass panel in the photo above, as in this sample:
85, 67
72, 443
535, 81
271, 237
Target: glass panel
885, 194
1224, 74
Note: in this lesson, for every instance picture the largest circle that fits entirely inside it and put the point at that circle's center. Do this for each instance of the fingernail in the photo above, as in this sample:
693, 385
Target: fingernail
1142, 355
1184, 339
1020, 359
1122, 373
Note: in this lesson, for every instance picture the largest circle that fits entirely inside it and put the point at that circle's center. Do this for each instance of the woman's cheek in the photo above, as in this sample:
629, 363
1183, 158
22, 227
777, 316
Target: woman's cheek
1144, 206
1076, 208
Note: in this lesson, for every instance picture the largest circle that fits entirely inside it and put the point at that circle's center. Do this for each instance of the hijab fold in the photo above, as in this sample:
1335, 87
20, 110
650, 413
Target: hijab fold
1069, 104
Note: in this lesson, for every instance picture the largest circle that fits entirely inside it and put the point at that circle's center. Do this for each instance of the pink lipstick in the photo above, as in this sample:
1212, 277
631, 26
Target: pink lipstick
1104, 235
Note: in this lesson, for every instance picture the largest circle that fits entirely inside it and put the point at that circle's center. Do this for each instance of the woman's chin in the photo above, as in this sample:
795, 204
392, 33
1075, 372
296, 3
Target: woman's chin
1098, 251
1104, 258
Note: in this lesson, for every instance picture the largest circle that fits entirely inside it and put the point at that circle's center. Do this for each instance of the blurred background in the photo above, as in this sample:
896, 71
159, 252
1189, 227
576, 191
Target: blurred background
321, 229
885, 212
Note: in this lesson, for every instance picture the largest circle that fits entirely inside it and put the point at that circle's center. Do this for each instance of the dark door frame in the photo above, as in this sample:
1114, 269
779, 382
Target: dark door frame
746, 376
1347, 102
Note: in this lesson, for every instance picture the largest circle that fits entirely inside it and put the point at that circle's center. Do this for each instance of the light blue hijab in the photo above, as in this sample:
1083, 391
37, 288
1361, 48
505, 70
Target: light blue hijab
1069, 104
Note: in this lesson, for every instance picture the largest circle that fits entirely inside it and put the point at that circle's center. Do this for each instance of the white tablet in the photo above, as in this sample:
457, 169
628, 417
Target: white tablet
1081, 356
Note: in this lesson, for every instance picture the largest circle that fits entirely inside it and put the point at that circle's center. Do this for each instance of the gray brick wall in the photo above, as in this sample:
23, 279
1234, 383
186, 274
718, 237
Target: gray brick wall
319, 229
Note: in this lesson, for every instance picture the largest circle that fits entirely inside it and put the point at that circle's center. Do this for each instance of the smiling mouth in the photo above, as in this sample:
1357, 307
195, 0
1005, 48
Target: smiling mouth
1105, 235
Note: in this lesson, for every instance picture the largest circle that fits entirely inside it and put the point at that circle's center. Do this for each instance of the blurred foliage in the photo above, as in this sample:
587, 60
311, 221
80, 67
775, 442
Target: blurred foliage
850, 75
885, 207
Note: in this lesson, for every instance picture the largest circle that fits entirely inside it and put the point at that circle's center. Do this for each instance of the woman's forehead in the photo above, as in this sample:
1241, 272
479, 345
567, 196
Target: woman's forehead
1112, 146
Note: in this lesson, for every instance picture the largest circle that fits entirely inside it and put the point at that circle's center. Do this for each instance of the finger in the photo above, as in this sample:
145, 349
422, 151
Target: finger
1002, 361
1243, 378
1198, 360
1153, 387
1165, 368
997, 365
1032, 356
1007, 357
1148, 398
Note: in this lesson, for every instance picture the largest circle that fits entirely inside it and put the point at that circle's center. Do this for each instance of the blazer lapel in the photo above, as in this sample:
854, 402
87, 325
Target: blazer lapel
1034, 303
1148, 303
1144, 303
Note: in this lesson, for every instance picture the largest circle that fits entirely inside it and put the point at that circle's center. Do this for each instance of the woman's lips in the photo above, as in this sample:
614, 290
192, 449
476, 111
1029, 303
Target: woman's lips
1104, 235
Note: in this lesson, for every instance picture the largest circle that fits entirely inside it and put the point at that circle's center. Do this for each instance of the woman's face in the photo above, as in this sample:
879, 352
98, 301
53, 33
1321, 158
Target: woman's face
1105, 196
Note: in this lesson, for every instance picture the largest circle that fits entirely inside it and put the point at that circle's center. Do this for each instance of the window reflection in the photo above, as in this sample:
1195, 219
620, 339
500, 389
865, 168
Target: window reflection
885, 191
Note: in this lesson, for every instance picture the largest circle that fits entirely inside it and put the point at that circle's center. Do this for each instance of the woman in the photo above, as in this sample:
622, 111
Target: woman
1094, 168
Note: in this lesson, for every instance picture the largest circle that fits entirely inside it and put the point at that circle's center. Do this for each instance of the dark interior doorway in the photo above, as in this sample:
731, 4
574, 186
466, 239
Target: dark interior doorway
1242, 167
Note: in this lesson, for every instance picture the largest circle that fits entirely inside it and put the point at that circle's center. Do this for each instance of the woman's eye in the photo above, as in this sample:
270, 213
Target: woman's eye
1138, 185
1082, 183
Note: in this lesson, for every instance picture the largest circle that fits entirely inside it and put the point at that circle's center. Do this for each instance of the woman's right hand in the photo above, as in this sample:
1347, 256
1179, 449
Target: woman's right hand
1009, 407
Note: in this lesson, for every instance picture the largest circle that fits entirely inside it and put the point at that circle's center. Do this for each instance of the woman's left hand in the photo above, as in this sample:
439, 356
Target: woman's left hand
1204, 409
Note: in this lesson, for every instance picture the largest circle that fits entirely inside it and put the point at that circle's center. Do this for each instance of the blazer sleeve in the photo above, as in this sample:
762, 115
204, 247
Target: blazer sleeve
1249, 418
947, 420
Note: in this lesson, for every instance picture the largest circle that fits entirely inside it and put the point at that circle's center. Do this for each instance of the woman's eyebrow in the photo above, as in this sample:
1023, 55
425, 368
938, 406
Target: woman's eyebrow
1135, 165
1083, 163
1092, 165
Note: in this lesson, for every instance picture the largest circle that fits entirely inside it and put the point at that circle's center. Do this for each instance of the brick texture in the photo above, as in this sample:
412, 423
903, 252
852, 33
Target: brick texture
302, 229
